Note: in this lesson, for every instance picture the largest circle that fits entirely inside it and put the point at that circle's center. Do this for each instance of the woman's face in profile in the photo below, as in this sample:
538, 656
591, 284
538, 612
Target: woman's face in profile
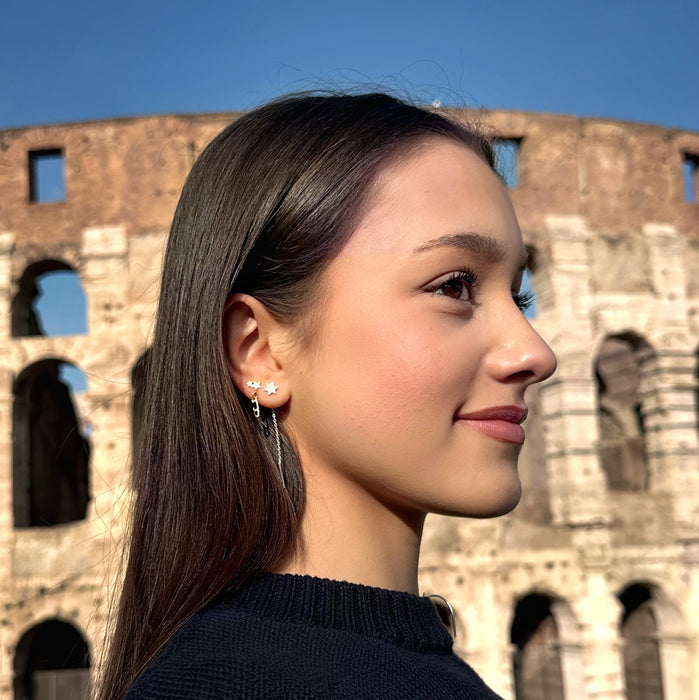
412, 391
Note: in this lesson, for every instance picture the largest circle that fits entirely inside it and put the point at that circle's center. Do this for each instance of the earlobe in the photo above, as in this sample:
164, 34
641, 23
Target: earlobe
251, 338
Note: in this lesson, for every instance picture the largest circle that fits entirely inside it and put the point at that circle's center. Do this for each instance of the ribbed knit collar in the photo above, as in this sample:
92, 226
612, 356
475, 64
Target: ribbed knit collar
401, 618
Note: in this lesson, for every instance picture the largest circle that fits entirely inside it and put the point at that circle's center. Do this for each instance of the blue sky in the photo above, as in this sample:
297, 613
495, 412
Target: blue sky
78, 60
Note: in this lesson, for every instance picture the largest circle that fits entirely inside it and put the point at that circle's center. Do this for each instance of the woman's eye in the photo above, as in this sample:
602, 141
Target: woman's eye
458, 286
454, 289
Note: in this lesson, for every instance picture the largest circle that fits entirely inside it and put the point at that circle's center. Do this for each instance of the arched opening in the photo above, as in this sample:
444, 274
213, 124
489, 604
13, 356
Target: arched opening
52, 662
618, 372
51, 452
537, 652
641, 650
50, 301
138, 378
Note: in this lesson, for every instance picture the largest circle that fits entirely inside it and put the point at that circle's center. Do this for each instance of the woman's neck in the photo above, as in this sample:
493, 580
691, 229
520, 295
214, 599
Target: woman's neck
348, 534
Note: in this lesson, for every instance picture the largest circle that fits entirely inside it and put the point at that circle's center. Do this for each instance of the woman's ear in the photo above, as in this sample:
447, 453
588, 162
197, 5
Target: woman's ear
252, 340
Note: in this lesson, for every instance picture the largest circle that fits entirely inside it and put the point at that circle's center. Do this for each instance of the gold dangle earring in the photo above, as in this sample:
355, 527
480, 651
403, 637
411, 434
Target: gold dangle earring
255, 405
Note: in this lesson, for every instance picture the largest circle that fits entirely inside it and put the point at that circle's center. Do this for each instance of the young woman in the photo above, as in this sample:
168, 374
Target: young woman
340, 349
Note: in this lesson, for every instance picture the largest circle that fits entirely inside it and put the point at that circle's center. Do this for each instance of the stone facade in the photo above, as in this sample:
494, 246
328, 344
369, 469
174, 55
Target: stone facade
602, 552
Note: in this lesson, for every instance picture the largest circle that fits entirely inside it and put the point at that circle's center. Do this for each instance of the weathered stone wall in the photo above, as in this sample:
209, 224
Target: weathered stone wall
615, 252
125, 172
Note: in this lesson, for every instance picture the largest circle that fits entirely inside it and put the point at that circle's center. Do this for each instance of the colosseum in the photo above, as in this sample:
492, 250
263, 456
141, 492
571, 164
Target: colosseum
588, 590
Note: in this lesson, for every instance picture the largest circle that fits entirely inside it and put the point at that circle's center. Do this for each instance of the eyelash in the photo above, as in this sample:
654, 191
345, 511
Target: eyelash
524, 300
468, 278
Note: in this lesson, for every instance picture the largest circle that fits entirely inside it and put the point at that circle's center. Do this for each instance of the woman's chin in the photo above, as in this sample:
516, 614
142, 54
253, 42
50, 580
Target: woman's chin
499, 500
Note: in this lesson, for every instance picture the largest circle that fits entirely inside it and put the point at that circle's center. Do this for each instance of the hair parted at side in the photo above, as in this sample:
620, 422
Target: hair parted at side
265, 208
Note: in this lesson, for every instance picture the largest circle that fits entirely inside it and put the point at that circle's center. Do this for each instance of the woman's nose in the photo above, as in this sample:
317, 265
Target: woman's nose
522, 355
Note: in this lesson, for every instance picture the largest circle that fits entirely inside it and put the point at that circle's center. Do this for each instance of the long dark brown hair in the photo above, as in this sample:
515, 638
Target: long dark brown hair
264, 209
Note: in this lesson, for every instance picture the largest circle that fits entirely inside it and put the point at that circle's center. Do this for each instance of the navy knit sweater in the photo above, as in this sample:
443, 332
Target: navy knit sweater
295, 637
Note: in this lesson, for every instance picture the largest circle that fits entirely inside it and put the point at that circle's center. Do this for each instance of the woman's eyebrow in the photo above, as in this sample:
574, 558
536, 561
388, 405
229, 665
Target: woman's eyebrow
490, 249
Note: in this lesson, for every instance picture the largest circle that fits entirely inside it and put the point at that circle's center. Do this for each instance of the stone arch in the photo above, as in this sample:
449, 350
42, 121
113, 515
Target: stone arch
622, 363
547, 650
25, 321
655, 644
138, 378
52, 660
640, 646
50, 452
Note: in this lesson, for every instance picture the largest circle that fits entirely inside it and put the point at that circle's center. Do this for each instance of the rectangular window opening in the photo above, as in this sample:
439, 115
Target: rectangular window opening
507, 160
690, 166
47, 179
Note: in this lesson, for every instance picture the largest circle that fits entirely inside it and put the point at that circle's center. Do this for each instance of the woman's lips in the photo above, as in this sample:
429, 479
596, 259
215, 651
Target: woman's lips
499, 422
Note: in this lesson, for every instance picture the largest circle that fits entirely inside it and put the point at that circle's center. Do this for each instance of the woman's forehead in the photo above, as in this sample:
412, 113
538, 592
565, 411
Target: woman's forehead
443, 189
